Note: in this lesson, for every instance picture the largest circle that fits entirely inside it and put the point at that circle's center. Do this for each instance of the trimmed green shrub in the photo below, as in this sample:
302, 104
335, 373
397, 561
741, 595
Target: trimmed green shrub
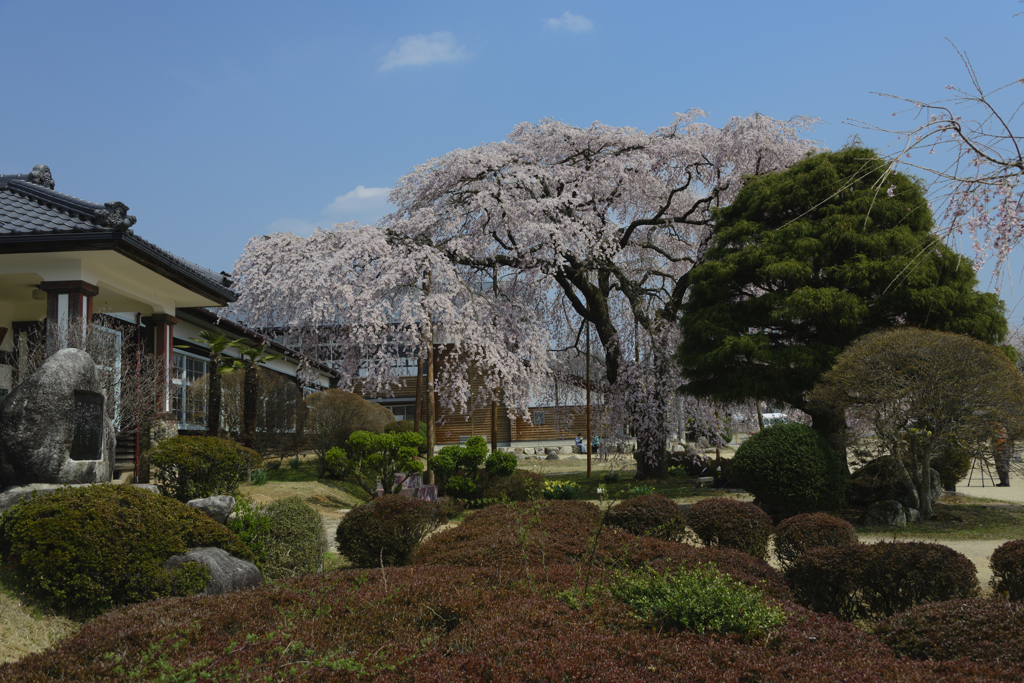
1007, 564
474, 453
460, 487
286, 536
501, 464
732, 524
443, 464
790, 467
520, 486
297, 540
202, 466
85, 550
649, 515
797, 535
879, 580
385, 531
699, 599
561, 490
336, 463
976, 629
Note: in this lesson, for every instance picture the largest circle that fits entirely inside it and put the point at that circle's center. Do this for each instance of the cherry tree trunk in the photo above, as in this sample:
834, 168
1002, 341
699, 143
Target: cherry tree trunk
651, 427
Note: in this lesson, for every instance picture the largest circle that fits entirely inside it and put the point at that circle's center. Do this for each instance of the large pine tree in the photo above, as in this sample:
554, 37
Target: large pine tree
806, 260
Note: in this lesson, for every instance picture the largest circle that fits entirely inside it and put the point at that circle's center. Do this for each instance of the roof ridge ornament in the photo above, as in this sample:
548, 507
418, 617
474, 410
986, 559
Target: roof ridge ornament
41, 175
115, 215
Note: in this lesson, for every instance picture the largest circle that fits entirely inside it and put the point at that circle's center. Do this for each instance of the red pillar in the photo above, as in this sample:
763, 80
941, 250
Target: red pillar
68, 312
162, 326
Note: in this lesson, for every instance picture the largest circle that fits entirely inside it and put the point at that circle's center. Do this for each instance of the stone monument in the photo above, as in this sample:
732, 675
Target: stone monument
54, 427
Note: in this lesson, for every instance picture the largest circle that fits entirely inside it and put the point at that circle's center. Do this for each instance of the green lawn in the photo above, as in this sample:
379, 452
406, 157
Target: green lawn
307, 471
961, 523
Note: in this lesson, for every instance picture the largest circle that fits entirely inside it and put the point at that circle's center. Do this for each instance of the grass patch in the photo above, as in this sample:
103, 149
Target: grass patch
673, 487
308, 471
960, 523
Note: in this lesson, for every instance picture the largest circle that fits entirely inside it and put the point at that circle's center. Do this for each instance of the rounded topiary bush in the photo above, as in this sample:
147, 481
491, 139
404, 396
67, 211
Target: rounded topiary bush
798, 534
879, 580
385, 531
732, 524
976, 629
201, 466
501, 464
1007, 564
286, 536
85, 550
650, 515
790, 467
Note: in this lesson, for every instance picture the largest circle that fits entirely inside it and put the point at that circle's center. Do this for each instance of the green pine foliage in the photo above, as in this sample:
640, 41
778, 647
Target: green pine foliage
791, 468
806, 260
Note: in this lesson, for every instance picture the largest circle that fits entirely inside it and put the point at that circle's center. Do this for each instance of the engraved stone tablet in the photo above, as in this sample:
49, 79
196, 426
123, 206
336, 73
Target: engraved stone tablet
87, 438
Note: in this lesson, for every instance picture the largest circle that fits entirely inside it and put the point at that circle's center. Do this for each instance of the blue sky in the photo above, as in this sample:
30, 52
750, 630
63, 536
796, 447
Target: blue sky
217, 121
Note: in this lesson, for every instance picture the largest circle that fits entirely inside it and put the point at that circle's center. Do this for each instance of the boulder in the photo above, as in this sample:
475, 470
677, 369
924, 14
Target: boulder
54, 427
877, 481
552, 456
217, 507
913, 515
227, 572
885, 513
519, 451
566, 450
529, 450
551, 451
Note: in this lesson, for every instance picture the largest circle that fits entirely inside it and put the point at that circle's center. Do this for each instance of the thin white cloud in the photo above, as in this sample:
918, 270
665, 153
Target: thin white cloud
573, 23
420, 50
359, 199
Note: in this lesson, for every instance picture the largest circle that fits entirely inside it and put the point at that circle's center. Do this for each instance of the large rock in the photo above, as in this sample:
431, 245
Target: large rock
876, 481
54, 427
217, 507
885, 513
227, 572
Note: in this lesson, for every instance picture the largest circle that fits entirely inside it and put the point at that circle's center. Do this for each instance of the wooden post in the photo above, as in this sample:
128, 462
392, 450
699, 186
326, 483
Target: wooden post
494, 402
590, 447
419, 394
431, 435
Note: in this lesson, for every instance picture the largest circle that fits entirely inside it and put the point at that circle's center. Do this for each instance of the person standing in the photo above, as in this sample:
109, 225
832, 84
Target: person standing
596, 444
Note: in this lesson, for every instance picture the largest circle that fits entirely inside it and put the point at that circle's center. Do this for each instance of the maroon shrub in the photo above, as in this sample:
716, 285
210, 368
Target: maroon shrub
386, 530
447, 623
1007, 564
732, 524
650, 515
529, 539
978, 629
879, 580
796, 535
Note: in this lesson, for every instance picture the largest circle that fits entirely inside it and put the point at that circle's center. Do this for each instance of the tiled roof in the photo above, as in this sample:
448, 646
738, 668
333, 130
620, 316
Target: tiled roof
32, 210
